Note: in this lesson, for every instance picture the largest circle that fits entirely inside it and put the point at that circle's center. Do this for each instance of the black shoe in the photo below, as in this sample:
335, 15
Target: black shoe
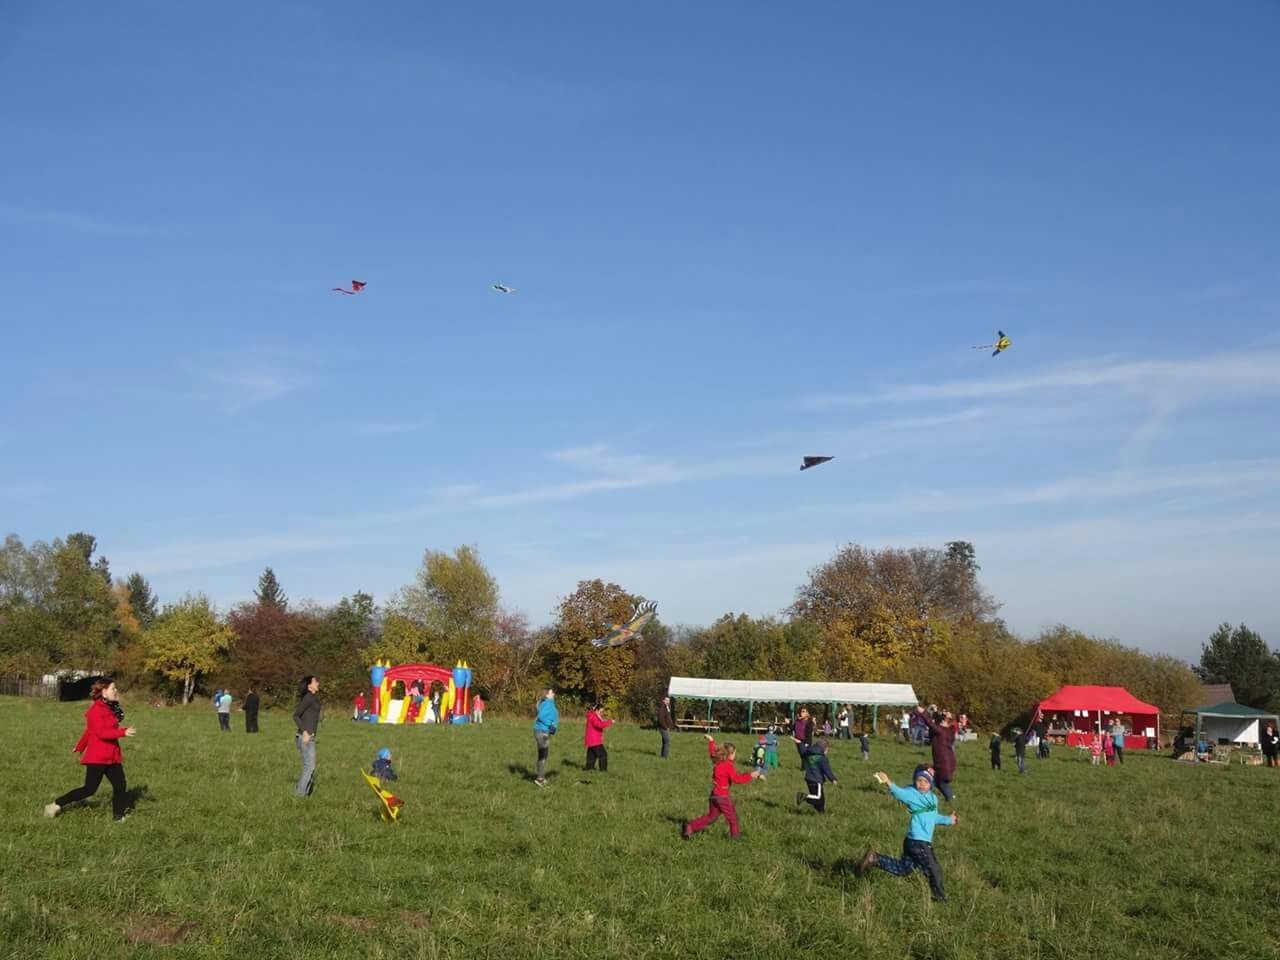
684, 830
867, 862
799, 799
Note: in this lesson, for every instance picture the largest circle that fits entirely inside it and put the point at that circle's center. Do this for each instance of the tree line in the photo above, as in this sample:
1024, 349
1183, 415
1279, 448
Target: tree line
917, 615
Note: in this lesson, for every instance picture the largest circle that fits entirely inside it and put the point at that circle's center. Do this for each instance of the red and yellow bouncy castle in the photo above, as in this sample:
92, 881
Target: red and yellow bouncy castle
394, 699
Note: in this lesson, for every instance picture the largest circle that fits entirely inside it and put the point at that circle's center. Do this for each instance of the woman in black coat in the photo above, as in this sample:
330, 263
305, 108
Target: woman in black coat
1271, 745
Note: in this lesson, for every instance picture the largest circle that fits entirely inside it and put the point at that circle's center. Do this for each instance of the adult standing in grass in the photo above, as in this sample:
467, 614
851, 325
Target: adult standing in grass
593, 739
99, 749
666, 723
942, 742
802, 733
544, 728
224, 711
1271, 745
250, 708
1117, 737
306, 718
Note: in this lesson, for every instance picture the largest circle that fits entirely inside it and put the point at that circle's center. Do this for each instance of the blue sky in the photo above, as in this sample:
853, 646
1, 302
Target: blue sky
739, 233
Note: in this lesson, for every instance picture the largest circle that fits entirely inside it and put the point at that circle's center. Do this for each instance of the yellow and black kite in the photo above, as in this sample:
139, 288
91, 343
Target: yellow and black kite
1001, 345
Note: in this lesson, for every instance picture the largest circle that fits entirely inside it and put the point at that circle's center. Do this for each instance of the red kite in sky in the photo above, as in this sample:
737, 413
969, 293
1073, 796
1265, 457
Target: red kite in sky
356, 287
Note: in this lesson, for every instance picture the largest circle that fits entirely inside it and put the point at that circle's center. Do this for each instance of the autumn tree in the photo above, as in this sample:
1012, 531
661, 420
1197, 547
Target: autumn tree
271, 650
577, 668
186, 642
450, 611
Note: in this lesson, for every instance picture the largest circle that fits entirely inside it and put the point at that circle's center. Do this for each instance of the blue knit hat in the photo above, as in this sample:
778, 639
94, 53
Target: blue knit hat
924, 770
384, 753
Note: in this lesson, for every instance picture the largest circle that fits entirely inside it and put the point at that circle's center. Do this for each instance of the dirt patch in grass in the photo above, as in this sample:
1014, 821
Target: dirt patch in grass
157, 931
362, 924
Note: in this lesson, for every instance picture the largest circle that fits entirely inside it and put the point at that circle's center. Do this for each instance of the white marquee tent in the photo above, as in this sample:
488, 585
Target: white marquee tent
792, 691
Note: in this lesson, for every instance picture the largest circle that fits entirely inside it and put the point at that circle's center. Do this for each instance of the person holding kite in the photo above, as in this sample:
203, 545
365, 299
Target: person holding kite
544, 728
99, 749
593, 740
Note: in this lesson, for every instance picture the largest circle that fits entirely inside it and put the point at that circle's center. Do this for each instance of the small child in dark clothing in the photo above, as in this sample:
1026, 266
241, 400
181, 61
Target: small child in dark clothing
865, 742
817, 770
382, 766
995, 751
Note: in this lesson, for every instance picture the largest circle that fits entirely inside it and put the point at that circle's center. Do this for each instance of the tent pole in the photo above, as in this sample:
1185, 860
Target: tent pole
751, 707
710, 702
875, 719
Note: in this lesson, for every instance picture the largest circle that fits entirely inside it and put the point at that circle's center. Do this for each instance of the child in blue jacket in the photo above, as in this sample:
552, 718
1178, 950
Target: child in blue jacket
382, 766
817, 771
917, 846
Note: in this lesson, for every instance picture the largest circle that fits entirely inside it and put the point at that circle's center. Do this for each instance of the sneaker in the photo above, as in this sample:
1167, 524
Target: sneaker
52, 810
799, 799
122, 818
685, 834
867, 862
540, 782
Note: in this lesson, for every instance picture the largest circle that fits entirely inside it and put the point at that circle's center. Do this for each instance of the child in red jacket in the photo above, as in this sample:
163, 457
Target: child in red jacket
593, 740
99, 749
723, 775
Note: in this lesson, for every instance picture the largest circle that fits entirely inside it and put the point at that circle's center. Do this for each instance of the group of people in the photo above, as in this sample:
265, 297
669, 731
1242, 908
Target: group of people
419, 700
222, 700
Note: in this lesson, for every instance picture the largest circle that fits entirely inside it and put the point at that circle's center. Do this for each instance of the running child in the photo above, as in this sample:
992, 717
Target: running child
917, 845
817, 770
724, 774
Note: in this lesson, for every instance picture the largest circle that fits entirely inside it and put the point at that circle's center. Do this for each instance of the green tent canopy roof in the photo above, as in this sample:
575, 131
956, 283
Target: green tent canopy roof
1237, 710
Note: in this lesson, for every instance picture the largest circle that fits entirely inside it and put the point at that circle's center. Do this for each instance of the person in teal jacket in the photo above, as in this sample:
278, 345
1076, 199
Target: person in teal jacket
917, 846
544, 728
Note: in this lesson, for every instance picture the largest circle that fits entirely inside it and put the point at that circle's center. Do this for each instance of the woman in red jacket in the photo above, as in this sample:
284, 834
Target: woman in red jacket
99, 749
594, 739
723, 775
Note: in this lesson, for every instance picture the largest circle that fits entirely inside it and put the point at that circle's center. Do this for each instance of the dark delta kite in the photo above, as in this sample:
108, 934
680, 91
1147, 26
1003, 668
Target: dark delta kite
503, 288
356, 287
814, 462
1001, 345
621, 633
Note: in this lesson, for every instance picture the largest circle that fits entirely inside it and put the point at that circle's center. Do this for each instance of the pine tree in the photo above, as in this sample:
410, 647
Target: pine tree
142, 601
269, 593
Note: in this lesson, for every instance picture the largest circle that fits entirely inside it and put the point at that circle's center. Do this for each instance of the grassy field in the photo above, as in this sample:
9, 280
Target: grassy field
1149, 860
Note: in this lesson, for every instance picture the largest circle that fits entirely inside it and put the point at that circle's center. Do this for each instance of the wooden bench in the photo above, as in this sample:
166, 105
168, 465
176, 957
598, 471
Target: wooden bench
702, 726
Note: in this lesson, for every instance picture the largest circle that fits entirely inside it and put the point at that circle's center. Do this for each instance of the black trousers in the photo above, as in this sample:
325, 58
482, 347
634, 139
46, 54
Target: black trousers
916, 855
598, 753
251, 722
815, 797
93, 774
224, 722
995, 761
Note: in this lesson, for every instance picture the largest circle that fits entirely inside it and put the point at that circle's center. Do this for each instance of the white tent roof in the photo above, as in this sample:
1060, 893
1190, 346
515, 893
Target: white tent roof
786, 691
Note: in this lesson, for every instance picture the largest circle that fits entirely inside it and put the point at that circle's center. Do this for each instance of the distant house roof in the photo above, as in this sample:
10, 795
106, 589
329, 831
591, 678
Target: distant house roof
1212, 694
1235, 710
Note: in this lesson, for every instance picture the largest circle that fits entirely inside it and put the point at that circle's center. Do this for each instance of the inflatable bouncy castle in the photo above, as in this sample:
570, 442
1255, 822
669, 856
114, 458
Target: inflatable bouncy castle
402, 694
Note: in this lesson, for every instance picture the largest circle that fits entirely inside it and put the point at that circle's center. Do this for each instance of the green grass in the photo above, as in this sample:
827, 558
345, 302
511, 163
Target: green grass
1152, 859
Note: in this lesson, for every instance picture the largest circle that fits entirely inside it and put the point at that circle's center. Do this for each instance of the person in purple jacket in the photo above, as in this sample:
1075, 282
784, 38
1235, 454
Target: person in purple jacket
943, 743
802, 733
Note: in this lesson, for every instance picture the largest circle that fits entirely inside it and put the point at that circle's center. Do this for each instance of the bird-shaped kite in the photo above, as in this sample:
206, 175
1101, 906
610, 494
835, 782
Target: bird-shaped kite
503, 288
814, 462
391, 804
620, 633
356, 287
1001, 345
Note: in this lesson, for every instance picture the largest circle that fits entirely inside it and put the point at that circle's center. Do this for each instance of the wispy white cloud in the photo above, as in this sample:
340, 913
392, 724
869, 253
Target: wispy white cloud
240, 379
1233, 373
206, 554
75, 222
390, 428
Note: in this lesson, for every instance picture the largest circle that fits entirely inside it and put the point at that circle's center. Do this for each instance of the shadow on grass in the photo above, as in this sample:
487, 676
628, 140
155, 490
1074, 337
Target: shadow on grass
522, 771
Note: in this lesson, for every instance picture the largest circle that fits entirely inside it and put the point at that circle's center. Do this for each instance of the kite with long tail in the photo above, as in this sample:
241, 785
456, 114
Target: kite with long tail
1001, 345
356, 287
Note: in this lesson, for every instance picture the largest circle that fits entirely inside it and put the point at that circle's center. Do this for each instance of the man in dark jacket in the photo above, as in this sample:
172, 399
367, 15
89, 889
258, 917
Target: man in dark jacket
1020, 749
666, 723
250, 708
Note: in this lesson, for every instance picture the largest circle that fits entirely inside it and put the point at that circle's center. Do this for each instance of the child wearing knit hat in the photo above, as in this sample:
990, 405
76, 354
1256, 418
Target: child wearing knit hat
382, 766
917, 846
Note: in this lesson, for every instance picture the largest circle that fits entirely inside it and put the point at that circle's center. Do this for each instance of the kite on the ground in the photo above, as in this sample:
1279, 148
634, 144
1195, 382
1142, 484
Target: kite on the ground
391, 804
814, 462
1002, 344
356, 287
620, 633
503, 288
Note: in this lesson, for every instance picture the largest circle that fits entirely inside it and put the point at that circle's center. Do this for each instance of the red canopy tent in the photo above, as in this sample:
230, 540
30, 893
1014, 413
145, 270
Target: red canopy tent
1086, 710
